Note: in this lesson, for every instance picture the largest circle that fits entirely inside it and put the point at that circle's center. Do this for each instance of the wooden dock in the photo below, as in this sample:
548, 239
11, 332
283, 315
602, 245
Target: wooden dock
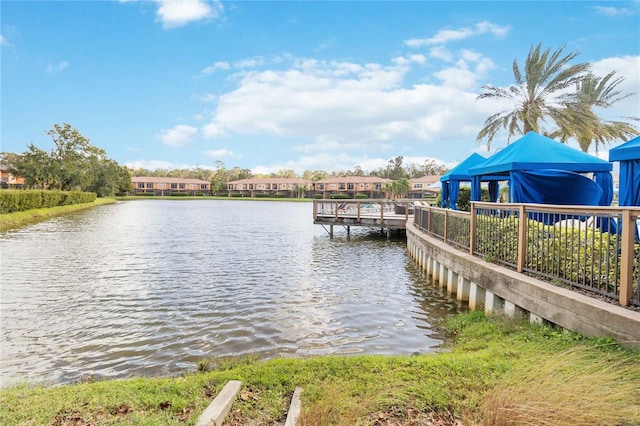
388, 215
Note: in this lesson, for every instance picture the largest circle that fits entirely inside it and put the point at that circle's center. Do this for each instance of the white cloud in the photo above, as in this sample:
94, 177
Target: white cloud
337, 107
420, 59
156, 164
221, 153
249, 63
242, 64
441, 52
178, 136
445, 36
613, 11
337, 162
466, 71
4, 41
177, 13
627, 67
208, 97
60, 66
215, 67
325, 161
213, 130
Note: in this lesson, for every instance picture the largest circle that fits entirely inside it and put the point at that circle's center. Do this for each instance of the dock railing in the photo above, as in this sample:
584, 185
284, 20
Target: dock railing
594, 249
357, 210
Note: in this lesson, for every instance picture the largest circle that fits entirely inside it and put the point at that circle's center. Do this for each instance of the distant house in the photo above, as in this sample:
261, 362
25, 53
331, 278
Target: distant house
8, 180
371, 187
271, 187
424, 186
169, 185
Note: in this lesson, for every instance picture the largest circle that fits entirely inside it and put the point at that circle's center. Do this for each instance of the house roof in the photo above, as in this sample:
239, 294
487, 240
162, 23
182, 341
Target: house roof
355, 179
426, 179
278, 181
629, 150
534, 152
461, 171
152, 179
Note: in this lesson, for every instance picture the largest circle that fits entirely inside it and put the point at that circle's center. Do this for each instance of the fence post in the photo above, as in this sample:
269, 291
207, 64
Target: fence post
446, 225
522, 238
472, 228
626, 258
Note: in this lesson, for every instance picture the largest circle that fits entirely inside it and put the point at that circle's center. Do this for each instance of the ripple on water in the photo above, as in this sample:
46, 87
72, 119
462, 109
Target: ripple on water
150, 287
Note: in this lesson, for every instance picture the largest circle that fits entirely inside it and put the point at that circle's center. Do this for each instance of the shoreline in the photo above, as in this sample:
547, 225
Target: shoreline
14, 220
495, 365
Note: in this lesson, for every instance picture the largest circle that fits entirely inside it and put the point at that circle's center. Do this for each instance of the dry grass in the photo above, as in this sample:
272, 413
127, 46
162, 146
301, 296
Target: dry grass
576, 387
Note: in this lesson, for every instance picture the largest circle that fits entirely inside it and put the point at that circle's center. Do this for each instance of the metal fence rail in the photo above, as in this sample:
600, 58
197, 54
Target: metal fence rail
448, 225
590, 248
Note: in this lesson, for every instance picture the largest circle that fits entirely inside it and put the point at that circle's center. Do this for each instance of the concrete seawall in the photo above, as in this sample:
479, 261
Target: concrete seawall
494, 288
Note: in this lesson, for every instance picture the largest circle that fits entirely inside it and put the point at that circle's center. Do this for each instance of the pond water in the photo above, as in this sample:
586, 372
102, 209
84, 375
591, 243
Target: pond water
149, 287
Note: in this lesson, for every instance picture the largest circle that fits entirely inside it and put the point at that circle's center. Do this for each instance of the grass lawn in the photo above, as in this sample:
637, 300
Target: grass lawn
498, 371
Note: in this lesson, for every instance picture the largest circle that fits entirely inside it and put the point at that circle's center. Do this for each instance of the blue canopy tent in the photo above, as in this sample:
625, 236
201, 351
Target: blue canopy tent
628, 154
460, 173
544, 171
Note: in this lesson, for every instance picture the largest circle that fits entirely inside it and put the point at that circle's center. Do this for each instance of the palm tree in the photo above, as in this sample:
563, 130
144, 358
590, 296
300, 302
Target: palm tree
388, 190
539, 95
400, 187
598, 92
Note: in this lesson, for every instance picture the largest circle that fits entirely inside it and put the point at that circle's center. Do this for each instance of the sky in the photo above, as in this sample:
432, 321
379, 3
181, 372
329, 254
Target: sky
293, 85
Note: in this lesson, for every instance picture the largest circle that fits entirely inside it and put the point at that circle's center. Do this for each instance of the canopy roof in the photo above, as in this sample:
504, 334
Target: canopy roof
627, 151
461, 171
534, 152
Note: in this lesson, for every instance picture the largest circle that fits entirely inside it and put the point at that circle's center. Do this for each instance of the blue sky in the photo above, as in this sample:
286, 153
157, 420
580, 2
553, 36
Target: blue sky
268, 85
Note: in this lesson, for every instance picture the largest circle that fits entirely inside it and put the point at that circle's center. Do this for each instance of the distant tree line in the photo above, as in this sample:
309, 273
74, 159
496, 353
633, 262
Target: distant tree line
220, 175
73, 165
76, 165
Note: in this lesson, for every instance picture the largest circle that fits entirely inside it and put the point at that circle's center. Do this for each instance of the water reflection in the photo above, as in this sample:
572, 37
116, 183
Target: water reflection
149, 287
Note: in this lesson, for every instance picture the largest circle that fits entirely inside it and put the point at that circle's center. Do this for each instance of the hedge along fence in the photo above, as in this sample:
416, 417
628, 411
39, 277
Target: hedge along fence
20, 200
576, 251
577, 248
582, 254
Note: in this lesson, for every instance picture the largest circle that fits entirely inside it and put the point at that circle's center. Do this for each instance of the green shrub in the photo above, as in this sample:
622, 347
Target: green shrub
21, 200
317, 196
145, 194
52, 198
9, 201
361, 196
571, 254
339, 197
237, 195
179, 194
263, 195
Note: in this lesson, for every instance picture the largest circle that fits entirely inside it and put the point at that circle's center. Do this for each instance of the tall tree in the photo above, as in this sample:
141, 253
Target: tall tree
74, 164
400, 188
432, 168
35, 166
598, 92
540, 94
72, 157
284, 173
